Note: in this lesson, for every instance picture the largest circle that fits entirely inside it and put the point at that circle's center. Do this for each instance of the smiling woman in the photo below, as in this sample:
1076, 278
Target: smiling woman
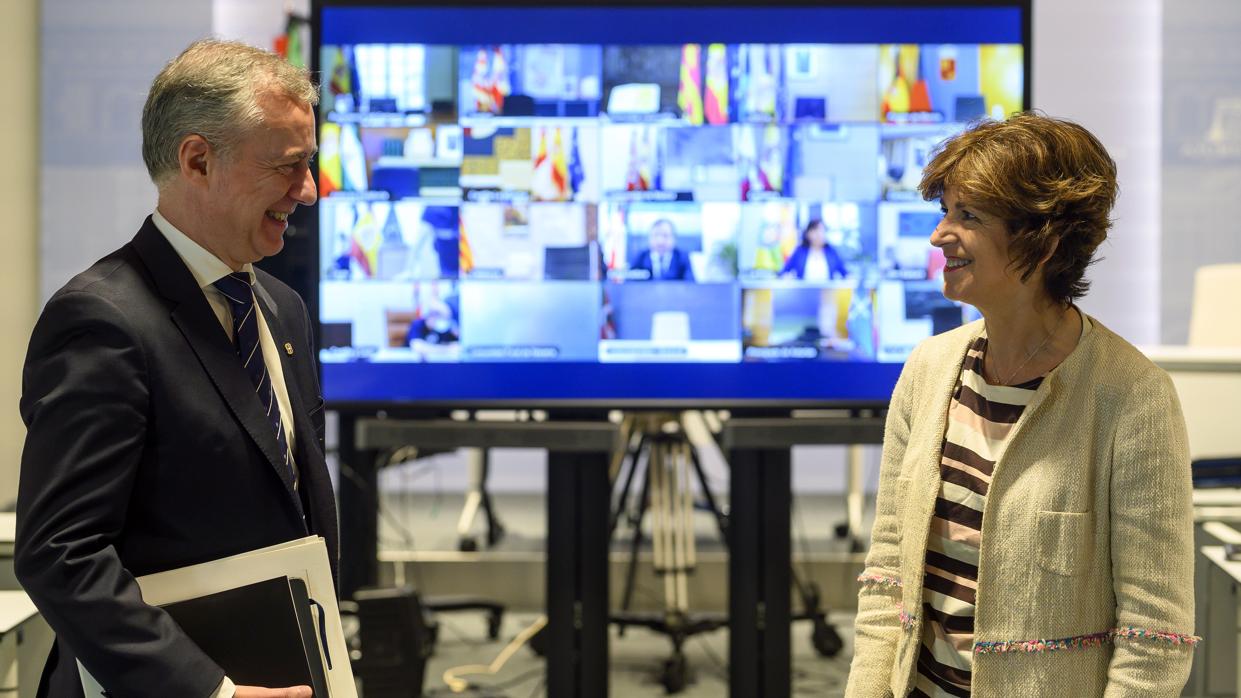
1031, 459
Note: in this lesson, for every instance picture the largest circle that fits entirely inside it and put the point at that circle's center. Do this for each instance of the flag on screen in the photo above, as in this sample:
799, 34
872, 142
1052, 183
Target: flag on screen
638, 174
608, 329
330, 175
771, 160
560, 169
480, 84
576, 172
341, 82
861, 322
717, 84
540, 156
352, 159
364, 246
465, 255
500, 85
689, 92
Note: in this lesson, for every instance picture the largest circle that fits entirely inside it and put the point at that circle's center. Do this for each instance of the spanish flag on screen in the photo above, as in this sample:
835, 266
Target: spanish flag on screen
330, 175
465, 255
717, 84
364, 247
689, 93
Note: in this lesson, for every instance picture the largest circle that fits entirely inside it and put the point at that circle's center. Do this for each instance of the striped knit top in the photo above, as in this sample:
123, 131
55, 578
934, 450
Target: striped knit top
981, 418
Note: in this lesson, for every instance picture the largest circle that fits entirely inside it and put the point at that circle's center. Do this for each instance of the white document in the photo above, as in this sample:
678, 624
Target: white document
304, 559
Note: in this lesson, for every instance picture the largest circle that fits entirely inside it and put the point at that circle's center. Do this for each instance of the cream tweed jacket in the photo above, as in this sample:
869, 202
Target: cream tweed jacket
1085, 574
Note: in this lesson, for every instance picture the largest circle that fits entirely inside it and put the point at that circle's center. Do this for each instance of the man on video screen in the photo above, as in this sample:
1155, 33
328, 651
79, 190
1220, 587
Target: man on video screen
662, 260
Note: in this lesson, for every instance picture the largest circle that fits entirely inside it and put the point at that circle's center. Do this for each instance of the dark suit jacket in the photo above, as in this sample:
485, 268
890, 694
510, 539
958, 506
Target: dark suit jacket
797, 263
147, 450
679, 268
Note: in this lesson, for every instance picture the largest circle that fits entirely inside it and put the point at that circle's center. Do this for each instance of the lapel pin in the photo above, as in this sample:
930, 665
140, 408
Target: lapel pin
288, 348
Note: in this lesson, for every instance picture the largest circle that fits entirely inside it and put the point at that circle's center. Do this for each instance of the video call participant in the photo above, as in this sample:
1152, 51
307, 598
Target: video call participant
436, 326
1034, 527
170, 391
814, 259
662, 260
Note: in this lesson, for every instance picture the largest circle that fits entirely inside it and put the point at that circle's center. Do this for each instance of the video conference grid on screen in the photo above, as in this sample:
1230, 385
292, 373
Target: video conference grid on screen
639, 203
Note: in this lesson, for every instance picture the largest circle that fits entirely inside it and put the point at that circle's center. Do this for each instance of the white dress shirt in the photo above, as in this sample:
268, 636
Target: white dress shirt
816, 266
207, 269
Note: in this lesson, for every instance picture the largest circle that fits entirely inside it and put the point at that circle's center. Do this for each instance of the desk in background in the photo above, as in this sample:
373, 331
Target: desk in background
25, 641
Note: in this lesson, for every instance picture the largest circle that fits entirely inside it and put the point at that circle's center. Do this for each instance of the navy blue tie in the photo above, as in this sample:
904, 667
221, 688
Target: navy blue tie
236, 288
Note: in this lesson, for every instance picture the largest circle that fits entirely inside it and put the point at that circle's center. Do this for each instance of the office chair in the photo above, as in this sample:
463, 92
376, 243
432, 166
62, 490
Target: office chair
1213, 320
395, 642
1213, 323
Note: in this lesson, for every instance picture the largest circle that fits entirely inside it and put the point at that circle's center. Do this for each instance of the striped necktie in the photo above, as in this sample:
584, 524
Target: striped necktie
237, 289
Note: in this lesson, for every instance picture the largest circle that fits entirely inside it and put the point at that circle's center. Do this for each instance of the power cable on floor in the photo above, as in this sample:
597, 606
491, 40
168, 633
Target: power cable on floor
459, 685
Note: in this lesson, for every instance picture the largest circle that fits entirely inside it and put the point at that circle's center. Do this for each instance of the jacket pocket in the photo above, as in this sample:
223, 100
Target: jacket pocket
1064, 541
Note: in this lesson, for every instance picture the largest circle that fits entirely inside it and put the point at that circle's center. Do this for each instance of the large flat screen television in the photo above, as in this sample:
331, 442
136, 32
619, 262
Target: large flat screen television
572, 204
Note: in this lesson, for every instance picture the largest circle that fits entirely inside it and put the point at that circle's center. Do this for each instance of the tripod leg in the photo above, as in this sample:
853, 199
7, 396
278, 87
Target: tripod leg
623, 500
662, 533
495, 529
721, 519
684, 524
635, 543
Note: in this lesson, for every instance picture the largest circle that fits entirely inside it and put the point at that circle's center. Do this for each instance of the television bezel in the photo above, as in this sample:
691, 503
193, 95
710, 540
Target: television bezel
308, 219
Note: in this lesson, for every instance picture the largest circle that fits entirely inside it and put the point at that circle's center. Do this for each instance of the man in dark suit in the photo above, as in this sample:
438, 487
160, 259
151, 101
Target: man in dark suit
662, 261
170, 391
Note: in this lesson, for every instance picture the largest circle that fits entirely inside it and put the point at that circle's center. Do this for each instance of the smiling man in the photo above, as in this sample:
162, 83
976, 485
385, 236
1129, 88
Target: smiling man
170, 391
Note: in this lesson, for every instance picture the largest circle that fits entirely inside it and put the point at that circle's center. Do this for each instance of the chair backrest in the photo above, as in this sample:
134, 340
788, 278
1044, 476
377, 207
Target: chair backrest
670, 326
1216, 320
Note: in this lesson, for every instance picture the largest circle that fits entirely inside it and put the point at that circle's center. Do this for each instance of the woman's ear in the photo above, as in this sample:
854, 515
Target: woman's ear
1051, 251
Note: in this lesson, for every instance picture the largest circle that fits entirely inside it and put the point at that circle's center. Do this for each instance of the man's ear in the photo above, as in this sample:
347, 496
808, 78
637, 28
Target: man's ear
196, 158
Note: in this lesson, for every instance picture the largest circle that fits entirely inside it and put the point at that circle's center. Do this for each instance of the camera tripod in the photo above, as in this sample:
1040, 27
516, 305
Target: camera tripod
660, 446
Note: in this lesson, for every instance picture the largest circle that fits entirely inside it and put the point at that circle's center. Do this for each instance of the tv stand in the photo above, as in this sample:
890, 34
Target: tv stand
579, 454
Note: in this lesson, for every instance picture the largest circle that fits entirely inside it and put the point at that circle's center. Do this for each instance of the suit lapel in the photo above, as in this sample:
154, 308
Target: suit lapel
194, 318
288, 365
310, 460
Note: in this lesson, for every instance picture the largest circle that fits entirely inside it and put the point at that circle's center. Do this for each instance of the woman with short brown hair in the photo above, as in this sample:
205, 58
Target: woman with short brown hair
1033, 461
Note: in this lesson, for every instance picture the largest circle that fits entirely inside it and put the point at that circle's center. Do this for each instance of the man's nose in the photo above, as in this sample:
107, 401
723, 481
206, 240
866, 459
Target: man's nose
304, 192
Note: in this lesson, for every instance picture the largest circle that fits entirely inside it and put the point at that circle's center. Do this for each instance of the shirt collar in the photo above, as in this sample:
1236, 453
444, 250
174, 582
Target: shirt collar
205, 266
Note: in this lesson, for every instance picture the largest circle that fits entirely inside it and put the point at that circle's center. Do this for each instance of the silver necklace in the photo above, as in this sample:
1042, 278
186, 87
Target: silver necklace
1034, 353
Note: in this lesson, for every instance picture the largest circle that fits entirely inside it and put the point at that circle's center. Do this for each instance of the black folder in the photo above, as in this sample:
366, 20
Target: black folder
262, 634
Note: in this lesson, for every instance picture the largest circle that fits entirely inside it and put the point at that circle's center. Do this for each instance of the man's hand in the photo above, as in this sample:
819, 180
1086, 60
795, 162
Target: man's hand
260, 692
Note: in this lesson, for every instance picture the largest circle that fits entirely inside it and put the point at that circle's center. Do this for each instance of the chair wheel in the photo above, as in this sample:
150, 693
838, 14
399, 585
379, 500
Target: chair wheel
825, 639
494, 534
675, 674
467, 545
493, 625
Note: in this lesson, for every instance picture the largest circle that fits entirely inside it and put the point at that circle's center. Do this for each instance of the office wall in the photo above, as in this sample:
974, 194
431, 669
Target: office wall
98, 59
1099, 63
19, 121
1201, 219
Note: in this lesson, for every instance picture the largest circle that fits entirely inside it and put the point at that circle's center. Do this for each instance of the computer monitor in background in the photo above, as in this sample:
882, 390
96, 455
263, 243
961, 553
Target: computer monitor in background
612, 205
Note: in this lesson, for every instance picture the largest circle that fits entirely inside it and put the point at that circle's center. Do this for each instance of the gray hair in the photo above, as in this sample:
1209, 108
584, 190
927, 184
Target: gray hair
212, 89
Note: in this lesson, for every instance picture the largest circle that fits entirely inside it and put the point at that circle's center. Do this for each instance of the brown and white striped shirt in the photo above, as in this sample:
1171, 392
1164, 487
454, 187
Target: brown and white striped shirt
981, 419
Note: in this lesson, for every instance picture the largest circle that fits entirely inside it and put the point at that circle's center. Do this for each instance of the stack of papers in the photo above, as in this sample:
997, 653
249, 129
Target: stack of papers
304, 559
